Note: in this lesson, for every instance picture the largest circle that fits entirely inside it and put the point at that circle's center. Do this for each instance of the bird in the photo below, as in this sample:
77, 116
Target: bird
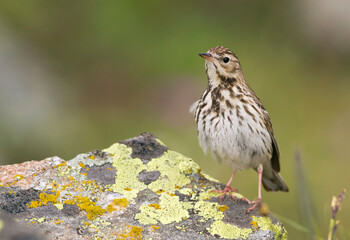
233, 125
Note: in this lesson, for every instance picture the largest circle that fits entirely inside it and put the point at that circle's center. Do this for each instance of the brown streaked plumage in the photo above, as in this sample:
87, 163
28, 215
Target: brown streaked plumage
233, 125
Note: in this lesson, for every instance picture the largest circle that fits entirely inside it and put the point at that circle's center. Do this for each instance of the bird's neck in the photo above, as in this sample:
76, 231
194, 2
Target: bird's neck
215, 79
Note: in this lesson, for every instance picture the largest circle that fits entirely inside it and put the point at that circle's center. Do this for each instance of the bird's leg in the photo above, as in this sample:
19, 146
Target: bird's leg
258, 201
227, 189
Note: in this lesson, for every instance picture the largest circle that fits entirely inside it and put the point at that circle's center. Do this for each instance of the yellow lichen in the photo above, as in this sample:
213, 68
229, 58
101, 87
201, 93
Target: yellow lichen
92, 157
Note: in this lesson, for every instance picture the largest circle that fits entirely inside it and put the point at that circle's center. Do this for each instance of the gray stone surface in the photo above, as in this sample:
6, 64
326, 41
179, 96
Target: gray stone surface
136, 189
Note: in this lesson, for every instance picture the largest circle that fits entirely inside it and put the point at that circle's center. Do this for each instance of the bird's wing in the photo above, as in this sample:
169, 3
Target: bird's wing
193, 107
275, 160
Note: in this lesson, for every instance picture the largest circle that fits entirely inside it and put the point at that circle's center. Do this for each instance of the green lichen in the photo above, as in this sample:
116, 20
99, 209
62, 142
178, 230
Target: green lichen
40, 220
98, 223
173, 168
265, 223
226, 230
186, 191
171, 210
126, 182
210, 178
35, 220
59, 206
208, 194
208, 210
1, 225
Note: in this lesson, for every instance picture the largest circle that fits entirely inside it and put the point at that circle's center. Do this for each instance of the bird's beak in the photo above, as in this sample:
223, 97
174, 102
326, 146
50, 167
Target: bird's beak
207, 56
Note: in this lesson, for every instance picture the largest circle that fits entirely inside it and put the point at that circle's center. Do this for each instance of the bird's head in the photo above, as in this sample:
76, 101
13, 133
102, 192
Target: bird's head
221, 64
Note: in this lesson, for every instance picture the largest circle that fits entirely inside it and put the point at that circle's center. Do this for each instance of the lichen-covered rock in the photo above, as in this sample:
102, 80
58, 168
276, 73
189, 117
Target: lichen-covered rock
135, 189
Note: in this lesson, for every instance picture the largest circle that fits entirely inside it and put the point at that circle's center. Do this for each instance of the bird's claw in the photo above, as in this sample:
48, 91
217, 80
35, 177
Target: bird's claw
227, 189
256, 203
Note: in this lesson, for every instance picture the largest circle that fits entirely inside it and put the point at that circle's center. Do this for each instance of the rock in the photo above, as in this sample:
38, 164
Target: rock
135, 189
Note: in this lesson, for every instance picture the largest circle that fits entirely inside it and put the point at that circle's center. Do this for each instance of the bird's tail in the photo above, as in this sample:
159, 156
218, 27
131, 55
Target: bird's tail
274, 182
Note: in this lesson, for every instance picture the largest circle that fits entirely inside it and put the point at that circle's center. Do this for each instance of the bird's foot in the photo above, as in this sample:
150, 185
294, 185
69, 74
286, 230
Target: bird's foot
256, 203
227, 189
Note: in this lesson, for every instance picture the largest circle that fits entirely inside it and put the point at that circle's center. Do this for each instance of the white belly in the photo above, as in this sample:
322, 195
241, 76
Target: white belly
233, 141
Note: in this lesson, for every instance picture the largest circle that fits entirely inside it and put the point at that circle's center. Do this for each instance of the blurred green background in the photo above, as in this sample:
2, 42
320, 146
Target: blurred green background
80, 75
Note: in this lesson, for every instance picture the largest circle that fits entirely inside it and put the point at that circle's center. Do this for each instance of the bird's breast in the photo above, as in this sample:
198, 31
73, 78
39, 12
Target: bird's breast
232, 128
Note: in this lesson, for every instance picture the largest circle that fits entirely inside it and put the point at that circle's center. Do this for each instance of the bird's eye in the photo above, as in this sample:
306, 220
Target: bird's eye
225, 59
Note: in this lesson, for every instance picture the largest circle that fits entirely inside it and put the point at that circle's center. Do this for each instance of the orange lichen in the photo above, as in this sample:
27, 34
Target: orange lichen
58, 221
60, 165
71, 178
160, 191
81, 165
127, 189
154, 227
69, 201
44, 199
18, 177
92, 157
223, 208
120, 202
254, 226
154, 205
89, 207
134, 233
